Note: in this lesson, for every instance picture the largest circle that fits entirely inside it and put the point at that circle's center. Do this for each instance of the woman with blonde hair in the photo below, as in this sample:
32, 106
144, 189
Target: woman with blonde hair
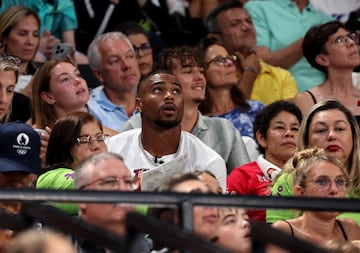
331, 126
9, 72
19, 37
317, 173
23, 45
342, 247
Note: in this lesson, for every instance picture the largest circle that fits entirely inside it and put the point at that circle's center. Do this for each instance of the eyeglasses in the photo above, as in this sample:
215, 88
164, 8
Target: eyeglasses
222, 61
113, 183
145, 48
344, 39
324, 182
88, 139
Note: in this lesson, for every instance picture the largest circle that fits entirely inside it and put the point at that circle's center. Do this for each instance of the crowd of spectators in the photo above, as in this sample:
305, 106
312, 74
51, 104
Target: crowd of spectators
252, 98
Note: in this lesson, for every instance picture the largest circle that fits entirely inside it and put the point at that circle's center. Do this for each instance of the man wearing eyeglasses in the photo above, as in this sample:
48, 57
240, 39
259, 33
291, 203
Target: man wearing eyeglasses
105, 172
230, 24
114, 63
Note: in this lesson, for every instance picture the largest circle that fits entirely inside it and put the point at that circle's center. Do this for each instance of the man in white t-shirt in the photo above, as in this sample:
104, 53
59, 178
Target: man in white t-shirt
160, 147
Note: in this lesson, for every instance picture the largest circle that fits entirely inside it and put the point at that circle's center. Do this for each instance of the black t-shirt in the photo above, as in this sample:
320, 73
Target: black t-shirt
21, 108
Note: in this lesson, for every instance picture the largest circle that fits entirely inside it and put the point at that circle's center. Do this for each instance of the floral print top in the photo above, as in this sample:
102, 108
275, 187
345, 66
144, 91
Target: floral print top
243, 120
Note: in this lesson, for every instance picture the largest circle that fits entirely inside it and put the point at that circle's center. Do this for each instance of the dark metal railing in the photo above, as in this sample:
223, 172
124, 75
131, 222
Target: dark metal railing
33, 207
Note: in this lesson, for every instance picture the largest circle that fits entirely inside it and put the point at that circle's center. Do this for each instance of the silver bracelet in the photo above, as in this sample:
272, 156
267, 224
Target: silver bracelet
252, 69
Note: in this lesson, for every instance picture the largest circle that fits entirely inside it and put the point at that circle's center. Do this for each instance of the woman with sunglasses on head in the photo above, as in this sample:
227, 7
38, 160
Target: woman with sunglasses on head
316, 173
328, 125
223, 97
73, 138
9, 72
19, 36
331, 49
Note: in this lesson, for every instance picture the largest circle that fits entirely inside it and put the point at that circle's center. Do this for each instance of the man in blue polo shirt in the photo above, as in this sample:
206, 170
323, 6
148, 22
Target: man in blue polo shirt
114, 63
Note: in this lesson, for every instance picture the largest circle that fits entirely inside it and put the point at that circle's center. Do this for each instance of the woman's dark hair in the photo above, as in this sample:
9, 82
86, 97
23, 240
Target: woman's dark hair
63, 138
131, 27
315, 40
264, 117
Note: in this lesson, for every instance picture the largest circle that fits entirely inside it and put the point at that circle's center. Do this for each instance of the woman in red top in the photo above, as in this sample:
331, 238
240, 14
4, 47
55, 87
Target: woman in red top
276, 130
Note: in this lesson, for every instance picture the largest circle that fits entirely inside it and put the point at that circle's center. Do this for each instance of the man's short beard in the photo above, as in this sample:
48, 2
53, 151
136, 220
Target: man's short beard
167, 124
